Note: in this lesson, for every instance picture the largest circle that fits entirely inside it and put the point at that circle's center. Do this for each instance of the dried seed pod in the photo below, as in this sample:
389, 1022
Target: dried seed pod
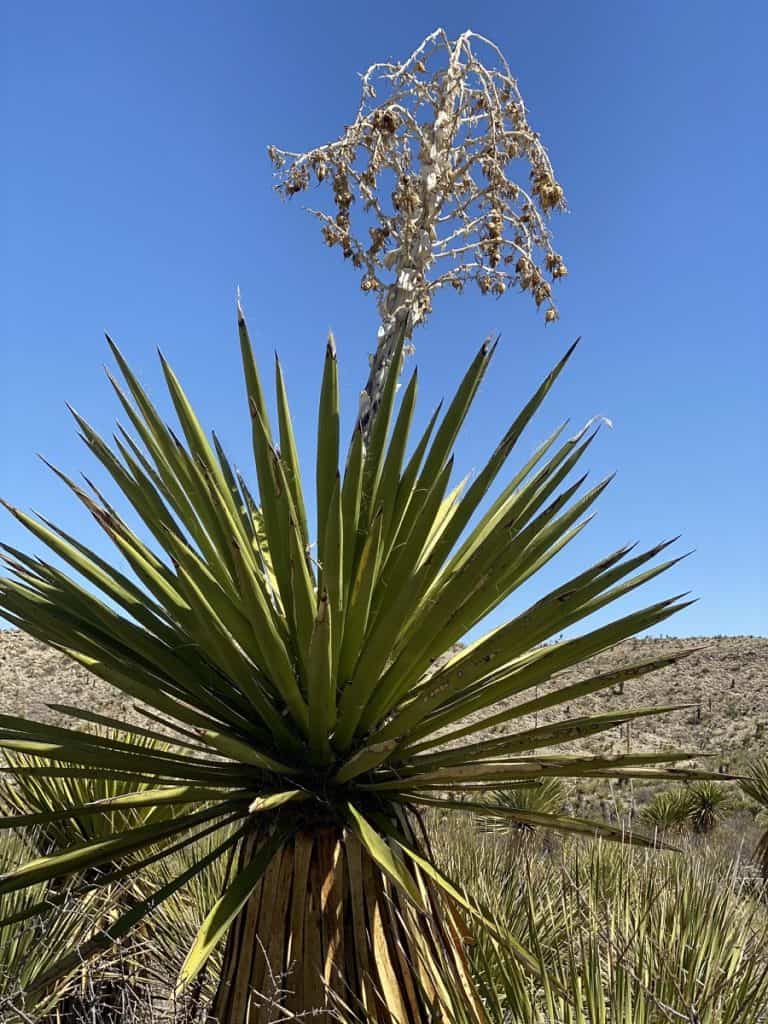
331, 235
378, 237
385, 120
320, 168
298, 179
277, 158
494, 223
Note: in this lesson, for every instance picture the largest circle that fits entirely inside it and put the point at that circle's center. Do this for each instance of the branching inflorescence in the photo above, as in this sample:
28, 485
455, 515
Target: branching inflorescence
432, 162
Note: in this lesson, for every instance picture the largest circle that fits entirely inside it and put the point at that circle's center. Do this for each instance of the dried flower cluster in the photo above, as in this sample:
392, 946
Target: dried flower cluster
431, 166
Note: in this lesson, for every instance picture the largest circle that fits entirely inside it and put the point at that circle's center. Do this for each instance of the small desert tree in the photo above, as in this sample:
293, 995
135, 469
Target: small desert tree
432, 165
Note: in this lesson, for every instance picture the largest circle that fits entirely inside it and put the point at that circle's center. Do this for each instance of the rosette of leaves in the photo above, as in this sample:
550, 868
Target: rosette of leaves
531, 805
707, 804
308, 730
669, 809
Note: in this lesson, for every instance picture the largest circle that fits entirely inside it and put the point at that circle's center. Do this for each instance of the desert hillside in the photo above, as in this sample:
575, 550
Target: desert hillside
726, 679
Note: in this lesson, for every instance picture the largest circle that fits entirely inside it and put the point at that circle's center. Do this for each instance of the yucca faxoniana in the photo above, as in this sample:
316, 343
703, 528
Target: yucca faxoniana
707, 805
32, 946
40, 795
297, 687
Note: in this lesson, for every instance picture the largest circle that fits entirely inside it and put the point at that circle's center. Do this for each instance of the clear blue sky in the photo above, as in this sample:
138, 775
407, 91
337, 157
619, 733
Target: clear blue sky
136, 196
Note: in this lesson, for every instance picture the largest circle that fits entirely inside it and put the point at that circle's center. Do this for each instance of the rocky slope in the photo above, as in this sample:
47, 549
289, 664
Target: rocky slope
726, 679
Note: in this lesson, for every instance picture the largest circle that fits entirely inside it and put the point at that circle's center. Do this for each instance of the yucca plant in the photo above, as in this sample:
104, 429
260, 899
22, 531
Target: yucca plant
50, 797
756, 786
543, 797
28, 944
46, 800
669, 809
707, 804
295, 679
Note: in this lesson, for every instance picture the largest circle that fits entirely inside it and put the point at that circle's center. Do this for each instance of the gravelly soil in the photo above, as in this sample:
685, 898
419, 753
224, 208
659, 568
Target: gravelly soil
727, 680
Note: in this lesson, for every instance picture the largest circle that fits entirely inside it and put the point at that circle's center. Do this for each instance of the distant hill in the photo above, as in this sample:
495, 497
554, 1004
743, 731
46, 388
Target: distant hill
726, 680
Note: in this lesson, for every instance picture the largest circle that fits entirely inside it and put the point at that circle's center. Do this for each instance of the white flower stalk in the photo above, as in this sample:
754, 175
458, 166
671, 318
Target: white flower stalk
433, 159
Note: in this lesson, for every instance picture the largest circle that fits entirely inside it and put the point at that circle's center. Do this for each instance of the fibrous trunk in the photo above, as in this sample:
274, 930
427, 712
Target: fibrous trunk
326, 934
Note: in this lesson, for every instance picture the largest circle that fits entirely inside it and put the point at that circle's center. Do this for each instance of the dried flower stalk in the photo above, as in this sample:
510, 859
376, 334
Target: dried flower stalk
427, 165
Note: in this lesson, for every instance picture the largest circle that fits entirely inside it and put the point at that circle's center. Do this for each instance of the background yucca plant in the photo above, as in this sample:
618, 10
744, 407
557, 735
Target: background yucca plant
28, 790
707, 805
29, 944
545, 796
44, 801
308, 730
669, 809
756, 786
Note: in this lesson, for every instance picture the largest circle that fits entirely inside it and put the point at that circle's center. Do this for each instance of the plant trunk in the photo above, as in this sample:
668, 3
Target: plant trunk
327, 935
406, 302
397, 324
